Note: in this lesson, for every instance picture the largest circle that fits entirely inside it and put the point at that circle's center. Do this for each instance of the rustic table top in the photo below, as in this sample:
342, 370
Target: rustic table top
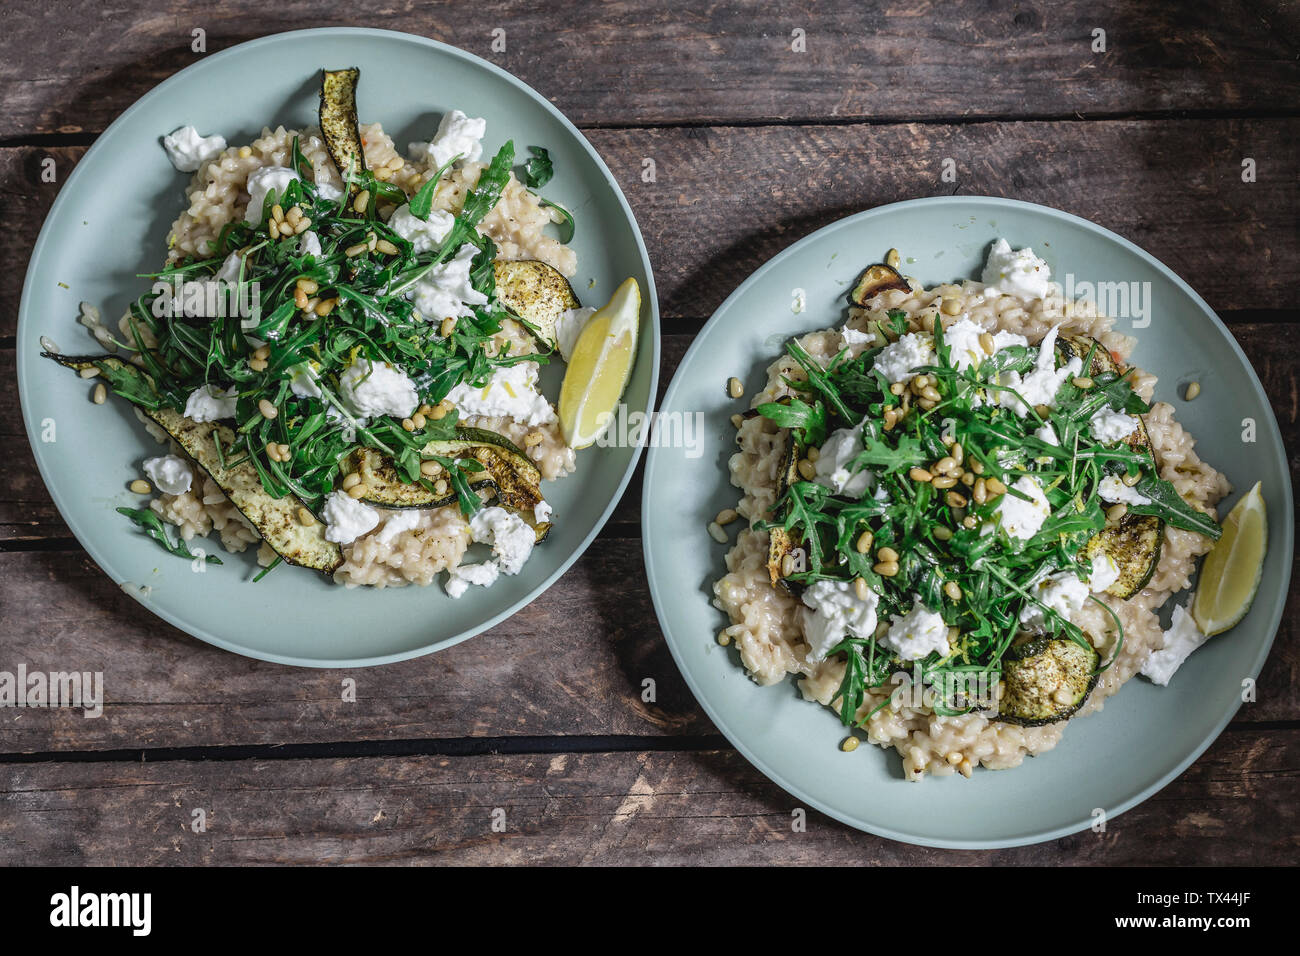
758, 139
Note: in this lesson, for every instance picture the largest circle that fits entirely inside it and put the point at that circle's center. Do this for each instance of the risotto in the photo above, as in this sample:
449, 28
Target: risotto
342, 351
952, 527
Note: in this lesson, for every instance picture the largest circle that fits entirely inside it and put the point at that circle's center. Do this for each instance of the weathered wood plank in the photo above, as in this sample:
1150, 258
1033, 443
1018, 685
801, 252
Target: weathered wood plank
1234, 807
714, 62
572, 662
1174, 187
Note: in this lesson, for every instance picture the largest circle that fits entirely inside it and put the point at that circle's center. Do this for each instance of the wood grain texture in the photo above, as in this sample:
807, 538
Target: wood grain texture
711, 62
1173, 187
1235, 806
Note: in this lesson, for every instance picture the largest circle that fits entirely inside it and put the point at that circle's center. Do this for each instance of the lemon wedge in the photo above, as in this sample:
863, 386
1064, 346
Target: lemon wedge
1231, 573
600, 366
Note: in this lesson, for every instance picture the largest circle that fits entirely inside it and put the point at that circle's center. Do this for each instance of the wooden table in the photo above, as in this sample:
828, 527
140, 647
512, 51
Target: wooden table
755, 145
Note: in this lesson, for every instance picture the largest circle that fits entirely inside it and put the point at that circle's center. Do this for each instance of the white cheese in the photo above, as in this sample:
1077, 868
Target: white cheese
328, 191
542, 512
511, 391
347, 518
170, 475
840, 448
309, 244
369, 390
1015, 272
230, 268
1047, 434
1039, 386
1113, 489
461, 577
1181, 639
268, 181
188, 150
207, 404
856, 340
1019, 518
1109, 425
423, 235
509, 535
1063, 593
303, 381
458, 135
896, 360
917, 633
403, 519
445, 291
568, 327
833, 611
1105, 572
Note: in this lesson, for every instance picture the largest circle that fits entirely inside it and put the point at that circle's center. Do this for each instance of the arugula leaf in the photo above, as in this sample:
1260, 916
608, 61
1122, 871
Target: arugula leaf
568, 227
1168, 504
809, 421
422, 202
539, 169
153, 526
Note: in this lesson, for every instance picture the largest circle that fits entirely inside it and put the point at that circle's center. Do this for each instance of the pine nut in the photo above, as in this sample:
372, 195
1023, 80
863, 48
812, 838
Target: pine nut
957, 452
302, 226
440, 486
886, 570
716, 533
977, 467
306, 518
807, 469
981, 491
812, 454
1193, 389
952, 590
326, 307
969, 521
309, 286
945, 465
277, 213
363, 199
430, 469
1115, 512
919, 474
386, 247
950, 307
944, 481
141, 487
418, 421
286, 229
90, 372
860, 589
724, 638
987, 343
533, 438
267, 409
1043, 411
408, 425
956, 499
737, 420
356, 491
351, 480
300, 298
440, 410
849, 745
931, 393
1082, 381
893, 259
726, 516
995, 487
99, 395
294, 215
448, 327
734, 387
864, 542
896, 388
787, 565
942, 532
353, 251
887, 555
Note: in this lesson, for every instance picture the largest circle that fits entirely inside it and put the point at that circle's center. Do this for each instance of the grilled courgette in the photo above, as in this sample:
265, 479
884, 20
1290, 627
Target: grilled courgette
1134, 542
536, 293
874, 280
1045, 680
338, 121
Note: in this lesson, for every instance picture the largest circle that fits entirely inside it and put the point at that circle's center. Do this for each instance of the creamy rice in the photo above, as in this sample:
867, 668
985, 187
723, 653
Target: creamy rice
216, 196
766, 625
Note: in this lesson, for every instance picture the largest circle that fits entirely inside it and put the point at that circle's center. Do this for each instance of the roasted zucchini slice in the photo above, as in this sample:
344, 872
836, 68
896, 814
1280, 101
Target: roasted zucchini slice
536, 293
782, 542
276, 519
507, 472
876, 279
1135, 542
338, 121
1046, 680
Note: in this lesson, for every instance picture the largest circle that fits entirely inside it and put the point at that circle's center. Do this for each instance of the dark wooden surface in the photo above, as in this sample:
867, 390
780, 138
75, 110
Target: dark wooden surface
755, 146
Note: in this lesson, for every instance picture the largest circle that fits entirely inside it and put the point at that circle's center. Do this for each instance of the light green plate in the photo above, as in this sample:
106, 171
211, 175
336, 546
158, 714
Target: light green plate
1107, 762
110, 222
